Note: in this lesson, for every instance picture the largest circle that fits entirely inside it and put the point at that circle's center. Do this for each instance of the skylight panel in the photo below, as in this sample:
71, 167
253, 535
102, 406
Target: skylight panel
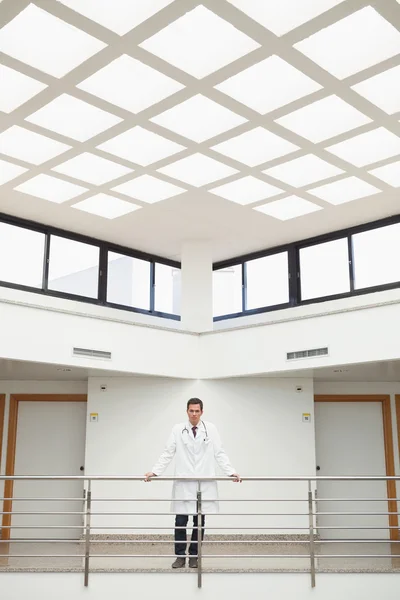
199, 43
41, 40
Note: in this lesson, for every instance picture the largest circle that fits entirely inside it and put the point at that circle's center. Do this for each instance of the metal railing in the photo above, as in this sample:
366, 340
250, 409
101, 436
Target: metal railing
310, 500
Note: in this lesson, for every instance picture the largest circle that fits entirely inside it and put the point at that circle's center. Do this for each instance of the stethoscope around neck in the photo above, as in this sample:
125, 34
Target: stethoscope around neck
206, 439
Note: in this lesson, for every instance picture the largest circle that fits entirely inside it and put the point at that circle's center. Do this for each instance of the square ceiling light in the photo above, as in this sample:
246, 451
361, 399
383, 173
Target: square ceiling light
246, 190
285, 15
73, 118
106, 206
141, 146
324, 119
389, 173
303, 171
92, 169
383, 90
288, 208
344, 190
358, 41
16, 88
149, 189
253, 86
29, 146
130, 84
118, 15
43, 41
197, 170
199, 43
9, 171
368, 148
255, 147
50, 188
198, 119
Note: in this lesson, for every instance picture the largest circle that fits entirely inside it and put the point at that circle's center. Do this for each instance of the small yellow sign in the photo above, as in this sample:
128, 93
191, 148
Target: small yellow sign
94, 417
306, 417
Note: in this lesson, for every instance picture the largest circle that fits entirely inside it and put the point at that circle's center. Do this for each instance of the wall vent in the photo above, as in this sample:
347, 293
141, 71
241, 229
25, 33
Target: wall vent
88, 353
307, 353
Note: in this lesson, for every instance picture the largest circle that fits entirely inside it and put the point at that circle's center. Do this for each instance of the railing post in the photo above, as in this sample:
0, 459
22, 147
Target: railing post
87, 533
199, 536
311, 525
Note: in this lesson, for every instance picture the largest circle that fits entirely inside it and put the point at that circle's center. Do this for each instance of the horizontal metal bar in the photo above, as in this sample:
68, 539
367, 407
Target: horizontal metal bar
375, 541
44, 499
112, 527
208, 500
355, 499
134, 542
132, 527
41, 556
169, 514
142, 478
44, 512
353, 514
250, 556
41, 541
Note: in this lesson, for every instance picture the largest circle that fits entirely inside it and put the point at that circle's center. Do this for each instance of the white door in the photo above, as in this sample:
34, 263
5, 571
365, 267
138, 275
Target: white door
350, 441
50, 441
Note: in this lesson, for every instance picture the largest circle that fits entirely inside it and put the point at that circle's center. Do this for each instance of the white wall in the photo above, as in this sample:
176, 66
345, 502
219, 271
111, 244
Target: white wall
49, 334
356, 334
152, 586
352, 336
260, 422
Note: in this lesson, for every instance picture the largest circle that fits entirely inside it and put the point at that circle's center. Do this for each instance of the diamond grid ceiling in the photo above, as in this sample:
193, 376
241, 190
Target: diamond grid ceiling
200, 113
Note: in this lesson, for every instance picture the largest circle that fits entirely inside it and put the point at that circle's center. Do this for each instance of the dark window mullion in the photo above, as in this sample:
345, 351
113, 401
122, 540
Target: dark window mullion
351, 262
152, 285
103, 271
294, 276
244, 286
46, 263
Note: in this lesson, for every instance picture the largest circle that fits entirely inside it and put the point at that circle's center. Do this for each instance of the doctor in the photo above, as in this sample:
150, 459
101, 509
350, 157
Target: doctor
198, 447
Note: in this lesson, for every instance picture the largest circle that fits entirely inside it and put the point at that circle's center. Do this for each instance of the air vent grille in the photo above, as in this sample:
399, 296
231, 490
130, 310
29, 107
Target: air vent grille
89, 353
307, 353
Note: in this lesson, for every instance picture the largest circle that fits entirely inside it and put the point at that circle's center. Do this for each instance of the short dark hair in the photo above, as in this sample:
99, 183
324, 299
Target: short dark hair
194, 401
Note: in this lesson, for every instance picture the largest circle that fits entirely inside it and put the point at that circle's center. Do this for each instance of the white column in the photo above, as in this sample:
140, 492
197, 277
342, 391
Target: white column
196, 291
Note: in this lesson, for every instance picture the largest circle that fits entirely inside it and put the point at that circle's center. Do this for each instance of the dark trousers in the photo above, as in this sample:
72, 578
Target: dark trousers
180, 534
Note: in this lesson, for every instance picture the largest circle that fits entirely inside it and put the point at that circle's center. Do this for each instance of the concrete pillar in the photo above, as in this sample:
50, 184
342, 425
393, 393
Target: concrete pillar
197, 292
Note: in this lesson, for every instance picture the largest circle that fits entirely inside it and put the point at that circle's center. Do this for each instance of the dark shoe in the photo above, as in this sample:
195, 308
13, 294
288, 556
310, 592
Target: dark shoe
179, 562
193, 562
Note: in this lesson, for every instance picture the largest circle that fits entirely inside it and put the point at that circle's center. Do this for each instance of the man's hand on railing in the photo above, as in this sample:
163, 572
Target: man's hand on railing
148, 476
237, 478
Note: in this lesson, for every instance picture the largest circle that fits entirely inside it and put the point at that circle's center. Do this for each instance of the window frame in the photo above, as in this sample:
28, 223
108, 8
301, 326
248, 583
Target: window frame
104, 248
293, 250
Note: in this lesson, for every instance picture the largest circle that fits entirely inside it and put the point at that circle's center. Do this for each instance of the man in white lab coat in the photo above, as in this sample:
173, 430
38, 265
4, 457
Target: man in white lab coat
197, 447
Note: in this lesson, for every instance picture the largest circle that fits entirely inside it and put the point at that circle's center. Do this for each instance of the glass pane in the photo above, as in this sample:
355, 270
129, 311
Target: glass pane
168, 289
22, 253
128, 281
324, 269
377, 256
267, 281
73, 267
227, 291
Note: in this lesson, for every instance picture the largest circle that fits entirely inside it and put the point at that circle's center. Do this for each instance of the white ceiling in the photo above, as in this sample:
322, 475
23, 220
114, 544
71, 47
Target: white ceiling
14, 370
185, 117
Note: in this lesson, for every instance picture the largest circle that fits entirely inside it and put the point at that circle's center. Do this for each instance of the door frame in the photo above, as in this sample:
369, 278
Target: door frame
15, 399
397, 402
2, 414
388, 445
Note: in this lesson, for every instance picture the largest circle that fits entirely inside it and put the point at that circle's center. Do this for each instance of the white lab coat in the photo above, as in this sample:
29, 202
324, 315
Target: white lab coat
194, 457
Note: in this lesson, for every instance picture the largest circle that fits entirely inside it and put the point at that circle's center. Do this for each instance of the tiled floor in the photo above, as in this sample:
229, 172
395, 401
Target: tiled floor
247, 556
